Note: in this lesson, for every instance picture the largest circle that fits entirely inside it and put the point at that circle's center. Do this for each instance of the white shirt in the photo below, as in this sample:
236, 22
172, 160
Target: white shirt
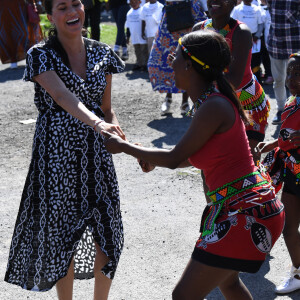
256, 2
134, 23
151, 14
203, 5
250, 15
266, 17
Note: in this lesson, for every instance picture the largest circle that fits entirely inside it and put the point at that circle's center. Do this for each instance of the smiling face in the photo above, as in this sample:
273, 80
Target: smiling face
218, 8
293, 76
67, 16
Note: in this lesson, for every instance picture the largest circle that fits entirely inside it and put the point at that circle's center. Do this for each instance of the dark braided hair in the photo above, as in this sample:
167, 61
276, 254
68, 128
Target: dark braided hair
212, 49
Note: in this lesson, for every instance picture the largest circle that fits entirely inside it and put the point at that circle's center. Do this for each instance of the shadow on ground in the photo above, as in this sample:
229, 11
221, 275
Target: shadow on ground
11, 74
131, 75
174, 129
259, 286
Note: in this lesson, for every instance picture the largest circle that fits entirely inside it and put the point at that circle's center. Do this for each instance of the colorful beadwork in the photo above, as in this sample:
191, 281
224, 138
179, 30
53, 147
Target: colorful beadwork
204, 65
201, 99
224, 31
297, 54
228, 190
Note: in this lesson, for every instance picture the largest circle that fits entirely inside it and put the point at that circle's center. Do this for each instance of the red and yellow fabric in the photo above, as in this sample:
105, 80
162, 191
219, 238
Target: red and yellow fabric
17, 35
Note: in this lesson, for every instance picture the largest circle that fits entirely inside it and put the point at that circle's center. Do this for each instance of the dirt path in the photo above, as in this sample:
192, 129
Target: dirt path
161, 210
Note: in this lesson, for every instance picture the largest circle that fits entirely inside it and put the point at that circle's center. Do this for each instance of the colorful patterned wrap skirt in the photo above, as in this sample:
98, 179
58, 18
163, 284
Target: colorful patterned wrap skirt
160, 69
283, 162
241, 225
257, 107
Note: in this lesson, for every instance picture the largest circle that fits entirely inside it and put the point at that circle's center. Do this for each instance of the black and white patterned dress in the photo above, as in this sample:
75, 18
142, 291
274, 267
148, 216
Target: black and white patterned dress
71, 194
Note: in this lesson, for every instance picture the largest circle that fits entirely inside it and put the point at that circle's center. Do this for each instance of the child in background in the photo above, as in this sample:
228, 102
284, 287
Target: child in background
283, 164
250, 14
268, 79
151, 16
134, 29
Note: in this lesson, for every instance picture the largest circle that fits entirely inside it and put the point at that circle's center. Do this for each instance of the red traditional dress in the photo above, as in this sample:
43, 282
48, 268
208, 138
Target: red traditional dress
283, 162
245, 218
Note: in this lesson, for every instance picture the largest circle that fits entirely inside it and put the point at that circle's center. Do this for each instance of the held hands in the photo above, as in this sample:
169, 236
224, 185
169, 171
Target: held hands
110, 128
145, 166
113, 143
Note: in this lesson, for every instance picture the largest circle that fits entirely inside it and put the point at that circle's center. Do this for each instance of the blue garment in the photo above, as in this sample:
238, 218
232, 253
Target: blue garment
119, 14
160, 70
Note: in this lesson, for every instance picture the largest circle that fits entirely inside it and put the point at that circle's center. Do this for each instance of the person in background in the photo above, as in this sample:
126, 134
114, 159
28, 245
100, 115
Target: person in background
283, 40
251, 15
92, 17
283, 164
204, 6
69, 222
17, 34
151, 16
239, 72
134, 30
161, 73
268, 79
244, 218
119, 10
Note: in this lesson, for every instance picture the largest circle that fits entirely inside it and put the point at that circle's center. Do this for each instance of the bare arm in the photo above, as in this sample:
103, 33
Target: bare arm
143, 30
214, 116
69, 102
241, 45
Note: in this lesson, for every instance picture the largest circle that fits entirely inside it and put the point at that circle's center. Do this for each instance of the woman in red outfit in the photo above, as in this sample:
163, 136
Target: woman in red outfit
244, 218
239, 73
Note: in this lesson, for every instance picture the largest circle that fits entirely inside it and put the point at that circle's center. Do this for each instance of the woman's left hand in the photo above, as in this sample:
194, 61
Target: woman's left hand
110, 128
113, 143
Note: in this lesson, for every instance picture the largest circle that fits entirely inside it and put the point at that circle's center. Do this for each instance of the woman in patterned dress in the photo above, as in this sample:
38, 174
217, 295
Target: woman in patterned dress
69, 222
239, 73
159, 67
244, 217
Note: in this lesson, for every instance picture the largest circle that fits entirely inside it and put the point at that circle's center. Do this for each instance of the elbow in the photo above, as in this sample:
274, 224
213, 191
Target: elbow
173, 165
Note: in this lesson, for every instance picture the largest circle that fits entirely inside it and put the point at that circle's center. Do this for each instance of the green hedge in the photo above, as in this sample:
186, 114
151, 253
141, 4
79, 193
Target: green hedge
108, 32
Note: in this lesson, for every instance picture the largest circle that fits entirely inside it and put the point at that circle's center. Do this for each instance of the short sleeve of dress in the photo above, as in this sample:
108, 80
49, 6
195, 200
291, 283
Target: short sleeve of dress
116, 64
38, 60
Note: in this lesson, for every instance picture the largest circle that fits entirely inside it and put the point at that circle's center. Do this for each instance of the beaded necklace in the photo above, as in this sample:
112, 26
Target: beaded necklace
224, 31
212, 89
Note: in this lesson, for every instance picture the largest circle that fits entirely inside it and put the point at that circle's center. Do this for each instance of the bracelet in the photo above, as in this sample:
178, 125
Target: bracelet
97, 123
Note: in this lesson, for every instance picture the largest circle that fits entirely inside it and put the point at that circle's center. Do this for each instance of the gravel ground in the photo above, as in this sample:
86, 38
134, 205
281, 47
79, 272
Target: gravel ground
161, 210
